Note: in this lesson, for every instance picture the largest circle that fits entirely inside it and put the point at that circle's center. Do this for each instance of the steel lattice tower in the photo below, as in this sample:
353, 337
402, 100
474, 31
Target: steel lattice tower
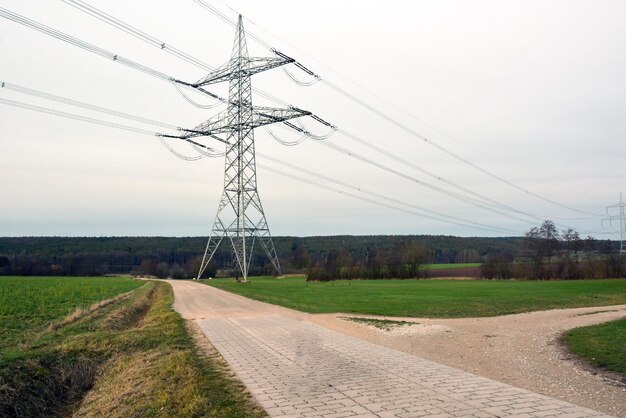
621, 217
240, 217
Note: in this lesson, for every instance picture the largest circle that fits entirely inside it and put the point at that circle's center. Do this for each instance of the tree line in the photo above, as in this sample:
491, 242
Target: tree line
545, 253
403, 261
321, 257
179, 256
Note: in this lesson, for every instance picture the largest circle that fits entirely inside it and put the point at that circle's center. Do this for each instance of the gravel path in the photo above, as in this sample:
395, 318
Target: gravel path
522, 350
294, 367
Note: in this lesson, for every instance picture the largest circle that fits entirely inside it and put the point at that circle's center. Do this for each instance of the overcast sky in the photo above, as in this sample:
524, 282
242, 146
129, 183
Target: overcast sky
531, 91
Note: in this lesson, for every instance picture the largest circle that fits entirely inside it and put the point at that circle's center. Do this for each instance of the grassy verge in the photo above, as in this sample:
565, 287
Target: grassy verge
429, 298
601, 345
132, 357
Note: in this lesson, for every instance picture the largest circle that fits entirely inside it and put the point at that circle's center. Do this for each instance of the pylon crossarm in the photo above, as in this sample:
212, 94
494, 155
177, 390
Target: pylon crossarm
223, 123
247, 68
232, 230
274, 114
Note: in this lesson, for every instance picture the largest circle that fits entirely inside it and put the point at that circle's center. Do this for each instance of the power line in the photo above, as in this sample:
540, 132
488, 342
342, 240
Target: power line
405, 128
382, 99
417, 134
428, 141
81, 44
67, 115
107, 18
210, 152
160, 75
429, 214
229, 21
24, 21
76, 103
104, 53
81, 5
454, 195
139, 34
415, 180
362, 198
152, 40
488, 201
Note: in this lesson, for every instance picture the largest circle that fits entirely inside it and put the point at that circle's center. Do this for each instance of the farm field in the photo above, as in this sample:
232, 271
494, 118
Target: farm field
28, 304
135, 353
601, 345
440, 266
428, 298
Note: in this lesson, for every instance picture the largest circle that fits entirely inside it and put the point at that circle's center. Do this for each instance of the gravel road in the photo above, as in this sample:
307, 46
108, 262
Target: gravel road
522, 350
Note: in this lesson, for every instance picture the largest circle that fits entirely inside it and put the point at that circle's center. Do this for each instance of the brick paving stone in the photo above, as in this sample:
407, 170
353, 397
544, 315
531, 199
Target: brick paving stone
299, 369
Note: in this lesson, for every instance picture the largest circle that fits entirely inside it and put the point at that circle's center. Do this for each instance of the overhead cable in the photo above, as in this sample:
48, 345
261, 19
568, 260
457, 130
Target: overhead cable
437, 177
206, 151
363, 198
101, 15
89, 47
81, 44
141, 35
100, 122
386, 198
65, 100
402, 126
67, 115
59, 35
415, 180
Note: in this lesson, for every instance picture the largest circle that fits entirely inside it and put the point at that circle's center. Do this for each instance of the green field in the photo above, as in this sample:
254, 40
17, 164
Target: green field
28, 304
601, 345
428, 298
449, 266
135, 352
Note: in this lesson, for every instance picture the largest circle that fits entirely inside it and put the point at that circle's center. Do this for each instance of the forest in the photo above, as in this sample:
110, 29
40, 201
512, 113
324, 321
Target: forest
321, 257
179, 256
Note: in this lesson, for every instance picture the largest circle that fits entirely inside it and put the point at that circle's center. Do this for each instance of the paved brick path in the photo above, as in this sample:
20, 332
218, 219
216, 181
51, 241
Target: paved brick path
295, 368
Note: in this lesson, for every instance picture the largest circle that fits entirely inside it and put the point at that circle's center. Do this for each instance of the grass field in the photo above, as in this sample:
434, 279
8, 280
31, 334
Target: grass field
449, 266
429, 298
601, 345
131, 357
28, 304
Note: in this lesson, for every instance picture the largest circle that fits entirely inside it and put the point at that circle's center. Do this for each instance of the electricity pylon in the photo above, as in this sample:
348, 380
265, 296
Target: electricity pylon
621, 216
240, 217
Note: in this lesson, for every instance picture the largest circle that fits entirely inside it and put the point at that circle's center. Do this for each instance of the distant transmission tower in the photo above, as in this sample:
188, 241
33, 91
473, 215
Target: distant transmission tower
240, 217
621, 217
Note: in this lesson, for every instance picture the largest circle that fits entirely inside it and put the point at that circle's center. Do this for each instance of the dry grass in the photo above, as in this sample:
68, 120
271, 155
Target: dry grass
130, 315
80, 312
125, 357
167, 377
